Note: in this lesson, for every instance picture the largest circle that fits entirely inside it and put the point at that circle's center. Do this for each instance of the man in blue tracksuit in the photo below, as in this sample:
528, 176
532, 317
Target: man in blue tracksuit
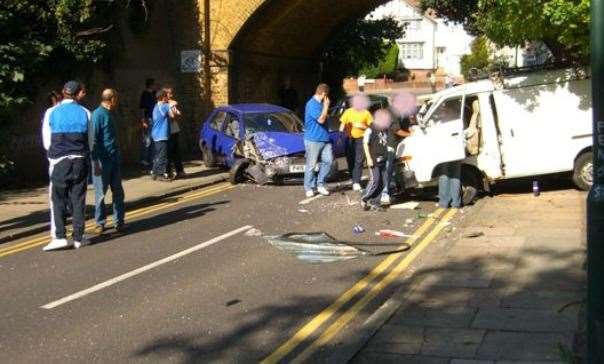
68, 137
106, 153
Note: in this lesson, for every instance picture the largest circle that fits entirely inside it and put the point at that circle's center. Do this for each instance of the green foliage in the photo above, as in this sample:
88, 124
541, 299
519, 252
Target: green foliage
563, 25
360, 45
386, 66
478, 59
42, 37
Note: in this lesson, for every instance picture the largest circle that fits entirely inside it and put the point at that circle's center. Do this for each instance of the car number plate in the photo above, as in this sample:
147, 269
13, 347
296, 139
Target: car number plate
297, 168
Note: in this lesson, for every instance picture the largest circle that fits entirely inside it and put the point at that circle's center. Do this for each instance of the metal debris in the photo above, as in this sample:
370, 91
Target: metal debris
322, 248
411, 205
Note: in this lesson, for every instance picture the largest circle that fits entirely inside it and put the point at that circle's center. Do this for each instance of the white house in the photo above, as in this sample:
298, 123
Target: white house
429, 43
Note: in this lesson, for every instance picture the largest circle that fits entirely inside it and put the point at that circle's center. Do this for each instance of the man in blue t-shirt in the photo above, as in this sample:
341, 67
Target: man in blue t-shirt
316, 142
160, 133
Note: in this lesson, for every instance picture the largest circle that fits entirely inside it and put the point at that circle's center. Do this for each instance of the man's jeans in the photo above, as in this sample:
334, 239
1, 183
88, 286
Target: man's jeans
317, 154
389, 171
111, 177
160, 157
355, 158
449, 185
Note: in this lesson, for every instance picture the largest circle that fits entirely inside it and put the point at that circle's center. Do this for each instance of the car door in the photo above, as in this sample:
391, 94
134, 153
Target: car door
440, 141
231, 135
212, 130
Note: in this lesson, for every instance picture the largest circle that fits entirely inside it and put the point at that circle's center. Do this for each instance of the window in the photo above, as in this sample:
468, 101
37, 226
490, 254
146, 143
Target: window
233, 128
414, 25
285, 122
217, 121
449, 110
412, 50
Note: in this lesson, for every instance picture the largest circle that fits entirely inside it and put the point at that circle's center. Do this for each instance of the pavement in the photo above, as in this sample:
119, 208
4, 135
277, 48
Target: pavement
504, 286
193, 280
25, 212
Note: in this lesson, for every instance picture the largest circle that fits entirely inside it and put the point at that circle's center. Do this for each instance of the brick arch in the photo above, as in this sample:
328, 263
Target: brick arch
256, 44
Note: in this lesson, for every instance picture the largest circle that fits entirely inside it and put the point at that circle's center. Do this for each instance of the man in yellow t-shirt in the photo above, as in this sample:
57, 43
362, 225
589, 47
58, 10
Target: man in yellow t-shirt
354, 121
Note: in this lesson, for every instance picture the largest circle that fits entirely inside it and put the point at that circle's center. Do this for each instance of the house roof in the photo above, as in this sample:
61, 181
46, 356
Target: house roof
430, 14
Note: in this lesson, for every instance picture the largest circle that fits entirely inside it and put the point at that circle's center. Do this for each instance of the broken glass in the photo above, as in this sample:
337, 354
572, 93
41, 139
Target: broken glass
323, 248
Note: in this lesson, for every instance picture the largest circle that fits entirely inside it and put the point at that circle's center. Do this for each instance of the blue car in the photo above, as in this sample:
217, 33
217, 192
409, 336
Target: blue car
258, 142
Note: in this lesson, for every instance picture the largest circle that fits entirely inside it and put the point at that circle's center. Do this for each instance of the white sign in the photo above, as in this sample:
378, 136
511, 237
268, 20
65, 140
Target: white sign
190, 61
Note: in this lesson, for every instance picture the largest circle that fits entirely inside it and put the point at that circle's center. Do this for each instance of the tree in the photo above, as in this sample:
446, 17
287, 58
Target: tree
363, 43
563, 25
479, 58
385, 66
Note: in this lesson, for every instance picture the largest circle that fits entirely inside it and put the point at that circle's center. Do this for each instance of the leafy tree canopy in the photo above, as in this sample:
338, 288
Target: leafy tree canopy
38, 38
361, 44
563, 25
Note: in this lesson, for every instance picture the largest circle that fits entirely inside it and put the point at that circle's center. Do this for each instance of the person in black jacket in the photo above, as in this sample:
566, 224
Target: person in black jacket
375, 144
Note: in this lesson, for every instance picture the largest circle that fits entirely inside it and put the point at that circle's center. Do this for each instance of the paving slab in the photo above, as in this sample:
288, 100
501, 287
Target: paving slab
446, 317
397, 339
502, 345
457, 343
540, 299
382, 358
528, 320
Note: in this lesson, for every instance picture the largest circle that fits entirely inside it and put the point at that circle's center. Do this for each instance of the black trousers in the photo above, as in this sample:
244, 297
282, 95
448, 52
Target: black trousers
160, 157
174, 158
68, 183
355, 158
373, 192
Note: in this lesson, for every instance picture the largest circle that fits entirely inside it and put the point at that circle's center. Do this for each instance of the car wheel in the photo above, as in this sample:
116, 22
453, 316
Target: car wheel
583, 174
237, 173
208, 156
470, 186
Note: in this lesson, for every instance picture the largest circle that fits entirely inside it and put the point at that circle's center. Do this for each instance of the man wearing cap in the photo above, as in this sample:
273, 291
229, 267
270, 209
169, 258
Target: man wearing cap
68, 138
106, 152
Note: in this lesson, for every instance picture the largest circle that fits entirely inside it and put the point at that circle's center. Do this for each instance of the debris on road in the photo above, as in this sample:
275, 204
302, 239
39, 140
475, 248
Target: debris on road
473, 235
387, 233
411, 205
253, 232
358, 229
322, 248
304, 211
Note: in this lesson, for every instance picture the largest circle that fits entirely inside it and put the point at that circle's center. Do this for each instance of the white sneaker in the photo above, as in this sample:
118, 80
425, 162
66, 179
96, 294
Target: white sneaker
79, 244
322, 190
56, 244
310, 193
385, 200
356, 187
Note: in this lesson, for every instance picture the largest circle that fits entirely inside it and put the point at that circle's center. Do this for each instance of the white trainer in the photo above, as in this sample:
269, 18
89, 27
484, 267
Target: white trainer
356, 187
322, 190
385, 200
310, 194
79, 244
56, 244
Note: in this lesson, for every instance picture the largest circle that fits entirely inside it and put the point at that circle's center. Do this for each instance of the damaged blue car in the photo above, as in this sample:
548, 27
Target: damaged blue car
261, 143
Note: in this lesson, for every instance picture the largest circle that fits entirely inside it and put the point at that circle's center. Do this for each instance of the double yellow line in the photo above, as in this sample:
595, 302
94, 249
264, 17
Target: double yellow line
304, 333
43, 239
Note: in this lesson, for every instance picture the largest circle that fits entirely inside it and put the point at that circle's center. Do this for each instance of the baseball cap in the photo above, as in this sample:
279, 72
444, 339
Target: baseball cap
72, 87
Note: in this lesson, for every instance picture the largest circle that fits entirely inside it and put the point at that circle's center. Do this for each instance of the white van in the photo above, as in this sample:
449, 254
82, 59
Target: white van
527, 125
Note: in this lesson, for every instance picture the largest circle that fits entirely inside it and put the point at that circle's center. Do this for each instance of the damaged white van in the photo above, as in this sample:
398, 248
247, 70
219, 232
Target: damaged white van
502, 128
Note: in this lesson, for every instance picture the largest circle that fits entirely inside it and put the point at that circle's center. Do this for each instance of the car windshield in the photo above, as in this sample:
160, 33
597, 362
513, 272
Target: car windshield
285, 122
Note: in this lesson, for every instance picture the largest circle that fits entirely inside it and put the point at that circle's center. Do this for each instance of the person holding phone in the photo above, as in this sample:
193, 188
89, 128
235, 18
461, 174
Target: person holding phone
319, 152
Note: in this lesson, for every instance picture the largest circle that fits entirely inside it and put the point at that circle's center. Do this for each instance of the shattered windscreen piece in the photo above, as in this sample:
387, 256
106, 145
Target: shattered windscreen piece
322, 248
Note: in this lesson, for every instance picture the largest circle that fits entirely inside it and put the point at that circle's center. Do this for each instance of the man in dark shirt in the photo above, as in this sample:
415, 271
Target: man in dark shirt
146, 105
106, 153
399, 130
289, 96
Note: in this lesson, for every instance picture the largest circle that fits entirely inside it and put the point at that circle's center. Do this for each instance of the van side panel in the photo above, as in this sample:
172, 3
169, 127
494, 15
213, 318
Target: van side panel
543, 127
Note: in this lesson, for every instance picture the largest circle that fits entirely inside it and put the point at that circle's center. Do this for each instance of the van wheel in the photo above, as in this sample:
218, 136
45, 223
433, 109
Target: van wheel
583, 174
208, 157
237, 173
470, 186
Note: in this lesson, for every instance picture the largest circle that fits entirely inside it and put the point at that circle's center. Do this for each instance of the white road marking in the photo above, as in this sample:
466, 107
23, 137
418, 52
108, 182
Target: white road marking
309, 200
140, 270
